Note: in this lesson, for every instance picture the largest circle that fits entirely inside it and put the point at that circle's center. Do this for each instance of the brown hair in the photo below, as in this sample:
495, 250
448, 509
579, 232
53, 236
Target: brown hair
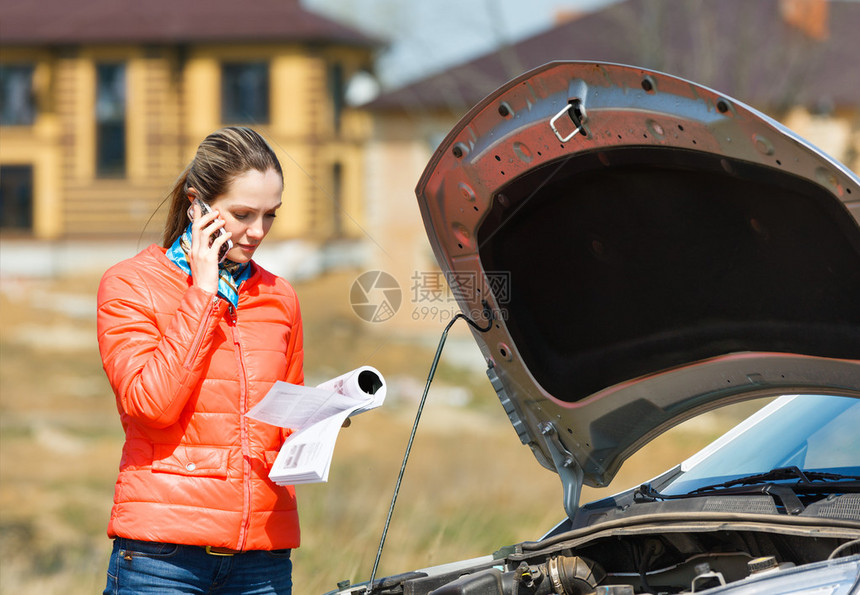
220, 158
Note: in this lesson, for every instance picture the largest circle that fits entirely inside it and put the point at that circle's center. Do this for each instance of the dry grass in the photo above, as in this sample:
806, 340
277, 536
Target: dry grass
470, 487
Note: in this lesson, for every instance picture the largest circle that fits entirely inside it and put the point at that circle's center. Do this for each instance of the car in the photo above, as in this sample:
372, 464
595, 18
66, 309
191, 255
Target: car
647, 250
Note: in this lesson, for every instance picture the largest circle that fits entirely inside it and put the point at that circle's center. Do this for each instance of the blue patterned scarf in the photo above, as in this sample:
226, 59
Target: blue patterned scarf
230, 274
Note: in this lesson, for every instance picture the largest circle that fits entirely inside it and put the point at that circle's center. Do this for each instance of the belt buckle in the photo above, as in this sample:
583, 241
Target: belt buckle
220, 551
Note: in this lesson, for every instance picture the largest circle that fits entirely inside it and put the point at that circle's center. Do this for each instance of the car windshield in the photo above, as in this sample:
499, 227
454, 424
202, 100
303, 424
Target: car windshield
810, 432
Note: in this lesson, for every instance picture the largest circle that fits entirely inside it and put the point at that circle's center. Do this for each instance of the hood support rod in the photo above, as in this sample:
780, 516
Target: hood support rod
488, 314
569, 471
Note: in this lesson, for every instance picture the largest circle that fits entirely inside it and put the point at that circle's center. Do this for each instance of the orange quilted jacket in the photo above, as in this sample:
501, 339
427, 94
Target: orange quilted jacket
185, 368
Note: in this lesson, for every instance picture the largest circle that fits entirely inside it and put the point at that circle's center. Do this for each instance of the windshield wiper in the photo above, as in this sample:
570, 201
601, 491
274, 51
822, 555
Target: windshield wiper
805, 479
808, 482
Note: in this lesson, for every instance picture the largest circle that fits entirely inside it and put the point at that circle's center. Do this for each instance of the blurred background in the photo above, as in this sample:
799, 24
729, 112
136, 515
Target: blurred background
102, 103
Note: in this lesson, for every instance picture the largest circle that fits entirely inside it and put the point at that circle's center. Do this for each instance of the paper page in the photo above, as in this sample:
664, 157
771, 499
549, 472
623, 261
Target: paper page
293, 406
306, 456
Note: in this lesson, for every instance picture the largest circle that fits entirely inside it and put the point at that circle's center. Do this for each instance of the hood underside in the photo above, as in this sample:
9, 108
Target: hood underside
649, 249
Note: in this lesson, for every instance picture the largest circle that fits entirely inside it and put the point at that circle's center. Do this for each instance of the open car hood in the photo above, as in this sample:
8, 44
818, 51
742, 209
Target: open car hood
649, 249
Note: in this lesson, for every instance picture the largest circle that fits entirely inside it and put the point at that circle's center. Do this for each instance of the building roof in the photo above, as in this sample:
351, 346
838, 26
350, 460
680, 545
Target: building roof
72, 22
772, 53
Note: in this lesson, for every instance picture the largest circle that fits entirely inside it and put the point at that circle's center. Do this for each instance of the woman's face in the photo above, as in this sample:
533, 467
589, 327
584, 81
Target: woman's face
248, 210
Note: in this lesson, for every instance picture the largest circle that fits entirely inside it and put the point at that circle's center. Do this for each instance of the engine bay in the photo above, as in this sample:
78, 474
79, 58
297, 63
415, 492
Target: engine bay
669, 556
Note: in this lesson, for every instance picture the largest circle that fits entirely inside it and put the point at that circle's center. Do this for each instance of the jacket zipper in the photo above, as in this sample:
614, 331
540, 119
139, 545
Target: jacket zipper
201, 332
243, 430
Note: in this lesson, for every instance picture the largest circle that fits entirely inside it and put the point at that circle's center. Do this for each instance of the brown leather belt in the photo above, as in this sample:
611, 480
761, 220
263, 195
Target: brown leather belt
221, 551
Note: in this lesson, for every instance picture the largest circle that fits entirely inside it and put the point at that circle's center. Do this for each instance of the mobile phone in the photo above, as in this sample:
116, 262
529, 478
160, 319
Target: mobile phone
204, 208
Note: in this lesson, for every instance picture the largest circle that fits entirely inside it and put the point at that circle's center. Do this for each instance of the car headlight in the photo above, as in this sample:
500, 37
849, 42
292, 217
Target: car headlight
830, 577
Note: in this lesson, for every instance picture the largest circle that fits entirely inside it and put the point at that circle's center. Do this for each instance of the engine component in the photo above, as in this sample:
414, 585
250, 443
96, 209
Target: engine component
560, 575
706, 578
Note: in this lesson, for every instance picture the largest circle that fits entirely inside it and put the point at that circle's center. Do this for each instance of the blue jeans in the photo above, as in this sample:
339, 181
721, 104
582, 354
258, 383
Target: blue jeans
143, 567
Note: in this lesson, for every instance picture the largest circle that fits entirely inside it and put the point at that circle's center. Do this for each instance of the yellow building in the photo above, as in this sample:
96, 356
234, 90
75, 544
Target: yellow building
102, 105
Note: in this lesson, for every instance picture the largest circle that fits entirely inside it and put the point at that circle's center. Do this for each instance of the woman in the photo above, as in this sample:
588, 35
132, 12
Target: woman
189, 346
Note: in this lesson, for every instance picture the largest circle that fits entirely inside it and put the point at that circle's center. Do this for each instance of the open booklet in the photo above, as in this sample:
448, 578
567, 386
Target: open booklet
316, 415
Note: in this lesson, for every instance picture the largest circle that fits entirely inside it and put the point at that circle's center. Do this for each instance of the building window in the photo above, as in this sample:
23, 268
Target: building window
17, 100
337, 200
245, 93
16, 197
110, 120
337, 92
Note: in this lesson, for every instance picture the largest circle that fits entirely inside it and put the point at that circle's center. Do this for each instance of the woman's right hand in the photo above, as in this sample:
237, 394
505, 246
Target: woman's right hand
203, 258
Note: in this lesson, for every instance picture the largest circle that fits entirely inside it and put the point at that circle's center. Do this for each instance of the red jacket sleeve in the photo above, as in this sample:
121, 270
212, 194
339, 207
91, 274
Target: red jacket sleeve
295, 353
295, 349
153, 372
